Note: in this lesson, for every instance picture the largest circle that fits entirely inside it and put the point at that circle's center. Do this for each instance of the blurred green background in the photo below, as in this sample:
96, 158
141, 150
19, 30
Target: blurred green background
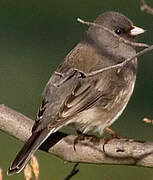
34, 37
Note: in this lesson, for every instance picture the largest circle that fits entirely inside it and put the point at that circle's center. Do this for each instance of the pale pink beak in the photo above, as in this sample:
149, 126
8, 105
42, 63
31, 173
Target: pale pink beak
136, 31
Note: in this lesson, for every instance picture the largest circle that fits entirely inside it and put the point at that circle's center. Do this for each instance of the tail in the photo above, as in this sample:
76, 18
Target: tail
33, 143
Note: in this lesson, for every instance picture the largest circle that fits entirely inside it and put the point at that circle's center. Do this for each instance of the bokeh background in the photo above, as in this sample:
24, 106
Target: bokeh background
34, 37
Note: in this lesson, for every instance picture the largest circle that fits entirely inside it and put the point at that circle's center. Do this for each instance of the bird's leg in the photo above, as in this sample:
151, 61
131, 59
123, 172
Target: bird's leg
80, 137
112, 134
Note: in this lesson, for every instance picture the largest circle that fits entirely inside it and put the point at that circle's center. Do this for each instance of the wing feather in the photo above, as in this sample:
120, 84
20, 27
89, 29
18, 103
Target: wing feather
62, 102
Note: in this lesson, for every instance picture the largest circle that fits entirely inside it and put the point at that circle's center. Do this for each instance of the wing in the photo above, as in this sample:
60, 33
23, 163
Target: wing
65, 96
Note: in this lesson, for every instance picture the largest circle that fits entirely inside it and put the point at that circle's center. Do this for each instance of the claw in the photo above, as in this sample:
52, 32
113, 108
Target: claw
79, 137
112, 134
82, 137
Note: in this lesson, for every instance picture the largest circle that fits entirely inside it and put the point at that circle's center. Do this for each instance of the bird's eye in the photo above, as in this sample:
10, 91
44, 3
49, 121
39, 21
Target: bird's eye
118, 31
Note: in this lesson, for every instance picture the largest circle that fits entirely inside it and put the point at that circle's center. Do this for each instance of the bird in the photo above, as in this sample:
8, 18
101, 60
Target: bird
87, 103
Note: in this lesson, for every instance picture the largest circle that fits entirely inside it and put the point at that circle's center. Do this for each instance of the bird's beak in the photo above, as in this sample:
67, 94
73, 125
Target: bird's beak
136, 31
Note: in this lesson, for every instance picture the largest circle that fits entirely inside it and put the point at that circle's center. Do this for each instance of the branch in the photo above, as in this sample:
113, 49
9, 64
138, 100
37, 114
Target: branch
89, 150
145, 7
114, 34
148, 121
120, 65
73, 172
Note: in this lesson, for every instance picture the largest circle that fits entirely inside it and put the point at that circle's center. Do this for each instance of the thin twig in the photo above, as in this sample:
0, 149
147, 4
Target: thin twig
1, 176
93, 73
115, 35
73, 172
145, 7
35, 167
148, 121
28, 172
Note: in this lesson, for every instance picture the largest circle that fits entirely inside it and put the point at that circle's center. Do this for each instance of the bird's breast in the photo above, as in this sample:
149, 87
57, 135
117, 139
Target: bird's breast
116, 92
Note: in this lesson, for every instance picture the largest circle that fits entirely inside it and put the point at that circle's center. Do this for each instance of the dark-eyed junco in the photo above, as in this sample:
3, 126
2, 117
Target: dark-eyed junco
87, 103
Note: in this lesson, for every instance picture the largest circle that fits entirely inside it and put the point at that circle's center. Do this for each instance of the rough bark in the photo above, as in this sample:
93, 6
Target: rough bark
89, 150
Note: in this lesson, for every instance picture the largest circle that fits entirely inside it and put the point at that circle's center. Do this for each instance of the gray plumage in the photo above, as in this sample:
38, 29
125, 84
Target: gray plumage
88, 104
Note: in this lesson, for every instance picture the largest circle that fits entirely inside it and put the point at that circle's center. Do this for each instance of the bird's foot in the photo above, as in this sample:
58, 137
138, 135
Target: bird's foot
112, 134
82, 137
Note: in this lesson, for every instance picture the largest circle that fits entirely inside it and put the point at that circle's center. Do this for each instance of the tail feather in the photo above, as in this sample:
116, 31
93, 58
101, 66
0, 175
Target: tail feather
33, 143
